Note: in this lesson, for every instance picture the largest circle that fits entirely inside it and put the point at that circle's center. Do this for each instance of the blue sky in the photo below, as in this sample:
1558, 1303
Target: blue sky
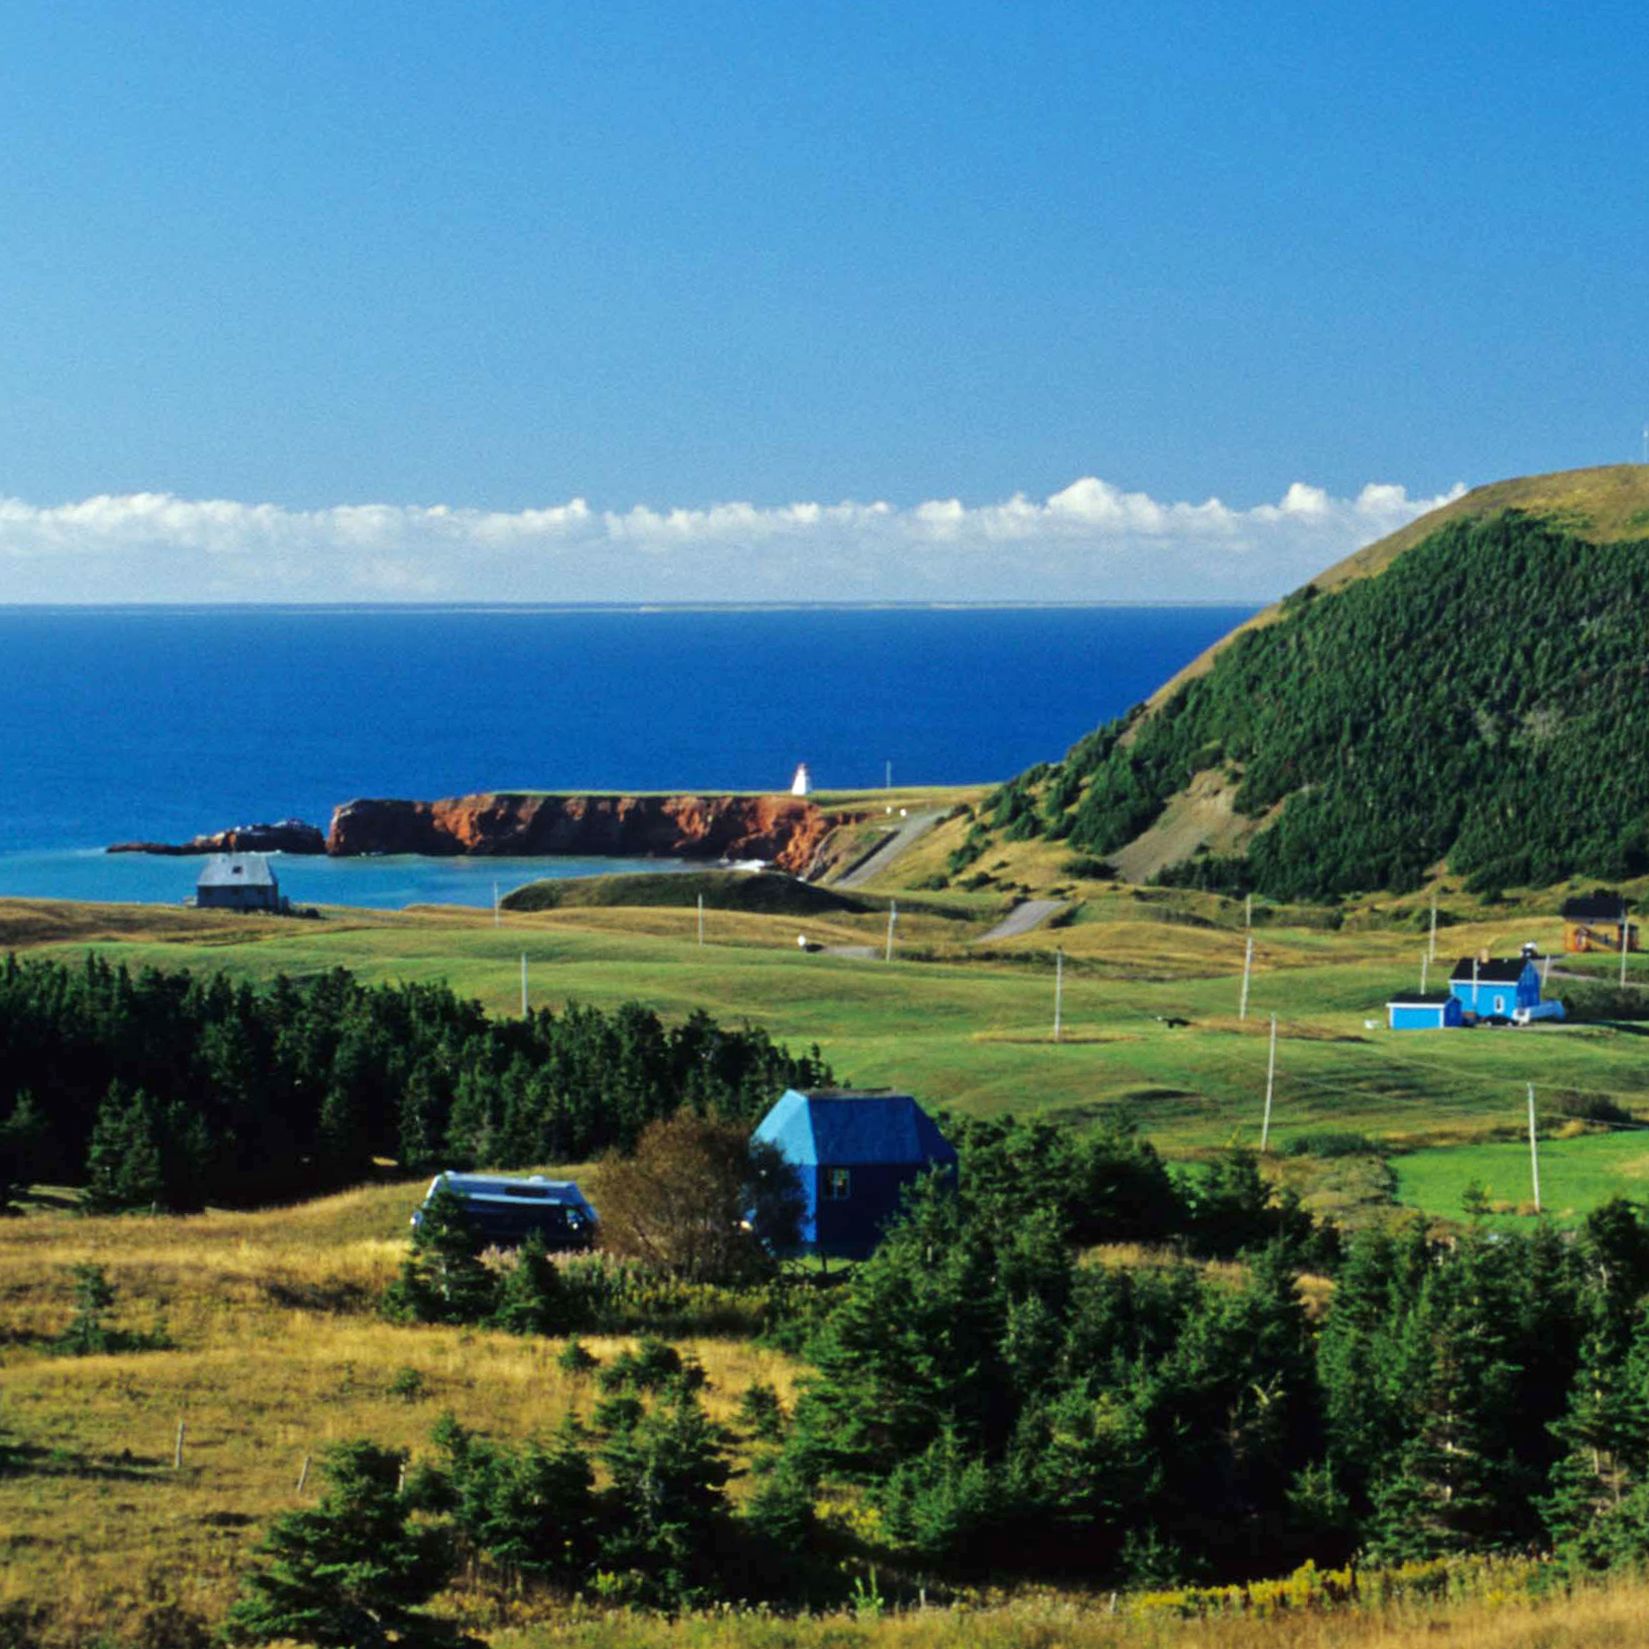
499, 258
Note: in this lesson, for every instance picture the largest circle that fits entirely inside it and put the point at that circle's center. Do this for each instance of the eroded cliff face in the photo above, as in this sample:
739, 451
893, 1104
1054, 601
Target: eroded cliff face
786, 830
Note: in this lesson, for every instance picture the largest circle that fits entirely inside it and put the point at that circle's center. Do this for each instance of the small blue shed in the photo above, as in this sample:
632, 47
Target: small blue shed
1425, 1011
1501, 989
854, 1152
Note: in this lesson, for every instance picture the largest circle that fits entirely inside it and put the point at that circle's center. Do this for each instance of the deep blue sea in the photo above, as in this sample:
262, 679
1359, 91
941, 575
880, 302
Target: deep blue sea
158, 723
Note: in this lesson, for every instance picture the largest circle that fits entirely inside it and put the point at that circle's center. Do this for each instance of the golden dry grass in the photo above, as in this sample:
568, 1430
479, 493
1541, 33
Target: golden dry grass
275, 1350
1611, 1617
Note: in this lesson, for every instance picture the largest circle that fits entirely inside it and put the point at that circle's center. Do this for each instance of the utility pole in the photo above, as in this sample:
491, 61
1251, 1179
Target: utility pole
1270, 1085
1059, 987
523, 984
701, 918
1534, 1152
892, 919
1432, 949
496, 918
1625, 934
1247, 968
888, 771
1425, 962
1248, 911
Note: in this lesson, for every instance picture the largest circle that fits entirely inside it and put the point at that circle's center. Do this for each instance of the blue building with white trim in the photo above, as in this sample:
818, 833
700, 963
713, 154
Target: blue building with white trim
854, 1153
1500, 990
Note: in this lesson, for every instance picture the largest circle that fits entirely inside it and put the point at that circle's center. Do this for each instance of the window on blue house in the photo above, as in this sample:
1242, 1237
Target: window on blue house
838, 1184
1500, 1004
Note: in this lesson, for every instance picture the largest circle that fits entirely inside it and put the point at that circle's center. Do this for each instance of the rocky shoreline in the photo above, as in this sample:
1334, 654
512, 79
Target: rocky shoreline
787, 831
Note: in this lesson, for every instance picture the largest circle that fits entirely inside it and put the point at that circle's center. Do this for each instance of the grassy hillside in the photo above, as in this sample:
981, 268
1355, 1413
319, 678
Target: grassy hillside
1603, 505
266, 1345
968, 1027
1480, 704
757, 892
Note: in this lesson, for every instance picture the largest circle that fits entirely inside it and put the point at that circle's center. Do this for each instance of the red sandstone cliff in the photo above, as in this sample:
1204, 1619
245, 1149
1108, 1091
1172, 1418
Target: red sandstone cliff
784, 829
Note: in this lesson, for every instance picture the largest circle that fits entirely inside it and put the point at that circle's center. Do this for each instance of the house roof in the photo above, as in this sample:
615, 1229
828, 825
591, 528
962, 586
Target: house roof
1593, 907
237, 870
842, 1127
1422, 999
1500, 970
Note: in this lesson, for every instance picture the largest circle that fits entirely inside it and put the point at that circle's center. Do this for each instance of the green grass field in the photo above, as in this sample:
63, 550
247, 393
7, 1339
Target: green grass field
1575, 1175
970, 1031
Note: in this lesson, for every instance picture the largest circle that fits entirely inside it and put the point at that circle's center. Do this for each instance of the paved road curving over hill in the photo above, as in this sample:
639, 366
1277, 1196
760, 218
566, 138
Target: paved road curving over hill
1023, 918
910, 831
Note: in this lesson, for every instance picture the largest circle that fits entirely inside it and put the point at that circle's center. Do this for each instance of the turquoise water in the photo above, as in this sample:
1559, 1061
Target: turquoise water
386, 882
159, 723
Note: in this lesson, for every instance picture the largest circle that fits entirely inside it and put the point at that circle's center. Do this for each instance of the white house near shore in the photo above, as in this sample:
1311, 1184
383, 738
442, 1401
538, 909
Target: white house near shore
238, 881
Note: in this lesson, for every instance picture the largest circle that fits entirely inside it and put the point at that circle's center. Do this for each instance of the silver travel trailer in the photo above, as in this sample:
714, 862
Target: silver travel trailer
505, 1211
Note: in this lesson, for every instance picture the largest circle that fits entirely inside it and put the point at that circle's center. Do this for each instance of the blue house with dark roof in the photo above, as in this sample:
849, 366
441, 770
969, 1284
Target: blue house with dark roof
1500, 990
854, 1153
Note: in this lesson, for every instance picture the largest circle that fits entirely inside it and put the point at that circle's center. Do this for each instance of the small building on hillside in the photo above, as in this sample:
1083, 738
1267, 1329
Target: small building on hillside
854, 1152
1425, 1011
1503, 990
1594, 921
802, 783
239, 881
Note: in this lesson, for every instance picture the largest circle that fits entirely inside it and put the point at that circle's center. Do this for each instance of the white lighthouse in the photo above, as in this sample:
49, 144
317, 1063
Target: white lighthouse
802, 784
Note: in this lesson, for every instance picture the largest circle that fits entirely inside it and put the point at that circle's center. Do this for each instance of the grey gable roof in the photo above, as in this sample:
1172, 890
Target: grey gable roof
237, 870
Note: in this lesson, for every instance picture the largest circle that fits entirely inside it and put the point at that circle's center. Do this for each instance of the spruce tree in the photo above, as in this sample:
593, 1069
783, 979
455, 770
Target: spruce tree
88, 1332
352, 1572
532, 1298
442, 1278
528, 1509
124, 1169
666, 1506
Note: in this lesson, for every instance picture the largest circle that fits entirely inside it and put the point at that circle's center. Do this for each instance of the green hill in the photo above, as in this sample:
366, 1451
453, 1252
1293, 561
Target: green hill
1471, 692
759, 893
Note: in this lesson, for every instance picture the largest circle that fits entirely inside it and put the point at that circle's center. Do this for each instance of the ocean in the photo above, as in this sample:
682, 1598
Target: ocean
158, 723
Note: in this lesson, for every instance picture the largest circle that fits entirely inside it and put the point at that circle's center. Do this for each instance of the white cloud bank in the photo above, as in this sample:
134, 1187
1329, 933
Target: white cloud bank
1090, 542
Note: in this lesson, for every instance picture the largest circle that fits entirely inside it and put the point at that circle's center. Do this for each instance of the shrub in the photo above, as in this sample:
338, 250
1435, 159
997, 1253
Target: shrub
408, 1384
1088, 868
700, 1201
761, 1413
575, 1359
532, 1299
1332, 1143
442, 1279
352, 1572
652, 1366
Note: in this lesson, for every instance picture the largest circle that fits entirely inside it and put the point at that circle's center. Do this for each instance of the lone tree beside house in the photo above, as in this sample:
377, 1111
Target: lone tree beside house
701, 1201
